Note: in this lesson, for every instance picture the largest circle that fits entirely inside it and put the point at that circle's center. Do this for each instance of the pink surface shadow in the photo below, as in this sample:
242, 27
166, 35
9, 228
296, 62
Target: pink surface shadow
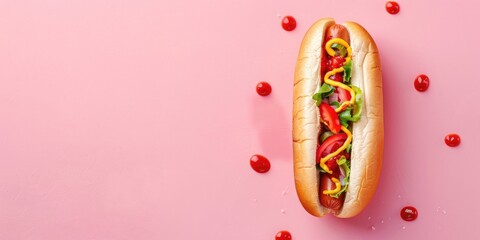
274, 136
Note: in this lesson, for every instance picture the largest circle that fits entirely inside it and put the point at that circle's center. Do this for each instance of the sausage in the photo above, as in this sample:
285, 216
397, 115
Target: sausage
334, 31
337, 31
326, 200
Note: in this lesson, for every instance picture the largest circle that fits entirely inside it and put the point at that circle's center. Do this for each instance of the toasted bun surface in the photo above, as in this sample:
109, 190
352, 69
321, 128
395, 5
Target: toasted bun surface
367, 145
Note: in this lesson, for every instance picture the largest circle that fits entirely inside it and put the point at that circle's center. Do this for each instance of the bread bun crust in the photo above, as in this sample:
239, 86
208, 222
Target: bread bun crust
368, 133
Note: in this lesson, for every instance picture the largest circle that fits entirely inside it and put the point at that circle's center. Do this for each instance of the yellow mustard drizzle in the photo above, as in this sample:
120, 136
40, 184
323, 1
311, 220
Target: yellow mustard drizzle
327, 80
340, 85
331, 52
338, 186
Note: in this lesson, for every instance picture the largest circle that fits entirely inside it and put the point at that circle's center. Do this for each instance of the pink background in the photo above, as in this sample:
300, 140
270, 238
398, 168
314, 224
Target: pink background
136, 119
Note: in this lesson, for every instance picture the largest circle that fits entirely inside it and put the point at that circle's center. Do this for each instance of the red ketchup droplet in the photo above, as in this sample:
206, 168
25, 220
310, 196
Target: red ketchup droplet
264, 89
259, 163
289, 23
422, 82
409, 213
452, 140
283, 235
392, 7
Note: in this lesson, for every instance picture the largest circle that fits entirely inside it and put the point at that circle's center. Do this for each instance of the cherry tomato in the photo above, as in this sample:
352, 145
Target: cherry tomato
289, 23
392, 7
452, 140
283, 235
326, 147
264, 88
409, 213
330, 117
343, 95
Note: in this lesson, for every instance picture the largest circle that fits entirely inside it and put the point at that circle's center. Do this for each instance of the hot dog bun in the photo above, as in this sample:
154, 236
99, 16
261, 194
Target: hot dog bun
367, 145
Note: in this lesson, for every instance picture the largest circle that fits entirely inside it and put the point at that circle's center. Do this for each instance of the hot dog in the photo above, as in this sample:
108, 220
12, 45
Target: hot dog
337, 119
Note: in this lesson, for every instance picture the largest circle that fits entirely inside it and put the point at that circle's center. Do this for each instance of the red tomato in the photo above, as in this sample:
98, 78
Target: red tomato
332, 142
343, 95
333, 165
338, 77
335, 62
332, 148
330, 117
